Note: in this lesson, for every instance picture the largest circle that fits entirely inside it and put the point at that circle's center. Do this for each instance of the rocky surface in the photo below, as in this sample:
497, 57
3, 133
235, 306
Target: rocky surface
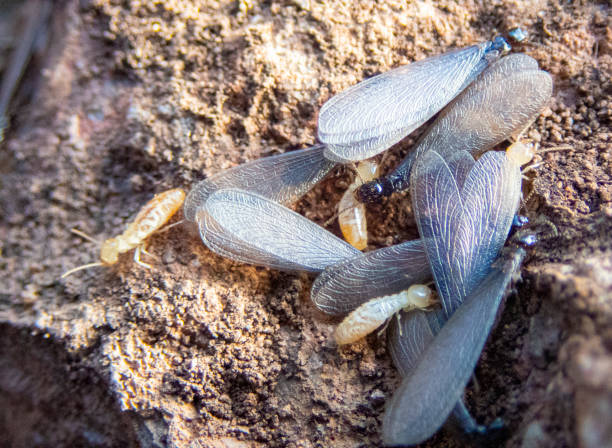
134, 97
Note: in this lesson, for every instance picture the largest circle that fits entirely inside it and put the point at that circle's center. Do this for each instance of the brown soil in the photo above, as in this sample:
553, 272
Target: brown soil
137, 97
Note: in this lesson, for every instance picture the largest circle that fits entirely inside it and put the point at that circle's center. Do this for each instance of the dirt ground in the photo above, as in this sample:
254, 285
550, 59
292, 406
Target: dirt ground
133, 97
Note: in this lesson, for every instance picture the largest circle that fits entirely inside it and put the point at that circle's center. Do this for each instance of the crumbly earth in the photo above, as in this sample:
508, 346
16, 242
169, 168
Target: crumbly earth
135, 97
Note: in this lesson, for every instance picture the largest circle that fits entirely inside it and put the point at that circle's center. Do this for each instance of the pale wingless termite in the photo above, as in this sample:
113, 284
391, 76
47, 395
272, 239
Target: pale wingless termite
374, 313
351, 212
151, 218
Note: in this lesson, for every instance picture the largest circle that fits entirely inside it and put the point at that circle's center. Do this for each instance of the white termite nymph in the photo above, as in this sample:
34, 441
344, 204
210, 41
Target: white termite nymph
151, 217
351, 212
372, 314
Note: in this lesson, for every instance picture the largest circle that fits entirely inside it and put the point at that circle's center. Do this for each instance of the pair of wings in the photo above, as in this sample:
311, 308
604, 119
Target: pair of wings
437, 367
371, 116
282, 178
500, 103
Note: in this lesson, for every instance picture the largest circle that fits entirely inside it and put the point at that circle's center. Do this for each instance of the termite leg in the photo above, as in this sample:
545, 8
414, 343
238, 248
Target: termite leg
531, 167
147, 253
137, 259
386, 324
476, 384
399, 323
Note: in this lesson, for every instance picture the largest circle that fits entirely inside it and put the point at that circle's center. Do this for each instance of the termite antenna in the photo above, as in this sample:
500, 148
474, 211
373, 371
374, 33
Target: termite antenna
80, 268
168, 227
84, 235
357, 173
338, 212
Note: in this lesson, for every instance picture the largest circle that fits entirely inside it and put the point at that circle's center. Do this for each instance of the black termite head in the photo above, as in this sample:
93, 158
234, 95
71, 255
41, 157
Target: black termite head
517, 34
527, 241
519, 221
373, 192
501, 45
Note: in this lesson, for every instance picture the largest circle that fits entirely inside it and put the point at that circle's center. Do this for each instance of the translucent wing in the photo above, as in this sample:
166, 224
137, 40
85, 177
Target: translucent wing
408, 337
428, 395
369, 117
343, 287
250, 228
503, 101
463, 222
282, 178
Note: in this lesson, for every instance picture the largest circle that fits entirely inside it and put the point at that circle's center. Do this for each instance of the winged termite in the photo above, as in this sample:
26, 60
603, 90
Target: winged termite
434, 386
500, 103
464, 210
151, 218
250, 228
371, 116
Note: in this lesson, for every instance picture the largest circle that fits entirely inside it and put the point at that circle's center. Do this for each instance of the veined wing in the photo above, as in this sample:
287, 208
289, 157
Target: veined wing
283, 178
250, 228
500, 103
371, 116
341, 288
408, 337
463, 226
428, 395
503, 102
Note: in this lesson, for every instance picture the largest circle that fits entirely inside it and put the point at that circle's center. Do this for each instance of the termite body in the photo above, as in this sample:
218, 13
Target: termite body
374, 313
151, 218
